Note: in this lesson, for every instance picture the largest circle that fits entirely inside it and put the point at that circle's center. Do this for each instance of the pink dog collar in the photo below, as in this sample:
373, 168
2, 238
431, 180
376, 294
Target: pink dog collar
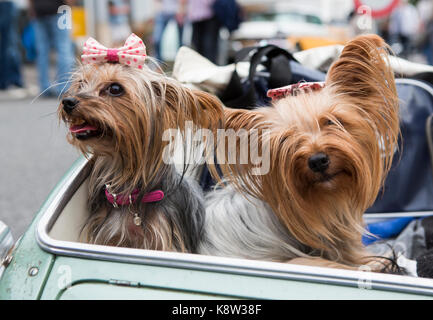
294, 89
120, 200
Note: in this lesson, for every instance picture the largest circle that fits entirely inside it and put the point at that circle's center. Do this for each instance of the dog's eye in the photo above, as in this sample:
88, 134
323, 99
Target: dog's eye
115, 90
81, 83
330, 122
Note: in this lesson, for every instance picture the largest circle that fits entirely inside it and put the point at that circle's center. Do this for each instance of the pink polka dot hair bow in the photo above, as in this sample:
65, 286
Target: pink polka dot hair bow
133, 52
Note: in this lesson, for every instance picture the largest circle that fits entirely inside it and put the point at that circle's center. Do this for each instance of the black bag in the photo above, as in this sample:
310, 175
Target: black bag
280, 69
252, 92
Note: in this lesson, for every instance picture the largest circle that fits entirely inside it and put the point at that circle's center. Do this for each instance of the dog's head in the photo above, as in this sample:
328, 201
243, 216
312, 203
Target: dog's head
122, 112
330, 149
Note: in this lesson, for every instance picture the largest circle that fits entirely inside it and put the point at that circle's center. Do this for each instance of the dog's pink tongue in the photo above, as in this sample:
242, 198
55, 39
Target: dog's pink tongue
82, 128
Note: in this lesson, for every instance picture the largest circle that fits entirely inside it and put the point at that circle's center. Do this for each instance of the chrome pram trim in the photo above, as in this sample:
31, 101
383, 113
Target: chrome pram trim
330, 276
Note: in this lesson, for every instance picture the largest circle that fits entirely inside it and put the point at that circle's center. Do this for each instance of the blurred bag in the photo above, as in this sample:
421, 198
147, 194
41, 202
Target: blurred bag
252, 92
269, 67
197, 72
321, 58
429, 132
228, 13
409, 184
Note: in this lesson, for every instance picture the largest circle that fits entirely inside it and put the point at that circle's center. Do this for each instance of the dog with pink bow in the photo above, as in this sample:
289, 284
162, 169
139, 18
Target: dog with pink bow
117, 110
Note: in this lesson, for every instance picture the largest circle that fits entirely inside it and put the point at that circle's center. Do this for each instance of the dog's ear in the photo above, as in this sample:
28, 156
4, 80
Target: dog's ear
363, 77
238, 119
185, 104
192, 113
362, 70
208, 111
242, 148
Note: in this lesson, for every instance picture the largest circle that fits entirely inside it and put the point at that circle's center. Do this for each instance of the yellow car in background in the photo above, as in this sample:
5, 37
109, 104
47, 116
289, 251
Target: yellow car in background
291, 30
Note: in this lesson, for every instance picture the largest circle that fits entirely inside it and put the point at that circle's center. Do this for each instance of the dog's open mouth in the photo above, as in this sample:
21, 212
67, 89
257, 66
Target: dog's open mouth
84, 130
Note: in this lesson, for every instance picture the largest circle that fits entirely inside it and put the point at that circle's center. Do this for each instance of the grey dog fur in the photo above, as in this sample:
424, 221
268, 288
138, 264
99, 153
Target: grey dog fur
237, 225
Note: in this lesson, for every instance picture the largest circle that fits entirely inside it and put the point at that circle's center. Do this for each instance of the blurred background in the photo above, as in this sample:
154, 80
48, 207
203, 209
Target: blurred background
41, 41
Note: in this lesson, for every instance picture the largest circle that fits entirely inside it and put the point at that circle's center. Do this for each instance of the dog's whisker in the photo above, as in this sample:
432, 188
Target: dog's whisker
46, 90
48, 114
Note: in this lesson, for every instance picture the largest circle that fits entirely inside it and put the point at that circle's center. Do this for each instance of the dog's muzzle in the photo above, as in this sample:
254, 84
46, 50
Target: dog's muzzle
319, 162
69, 104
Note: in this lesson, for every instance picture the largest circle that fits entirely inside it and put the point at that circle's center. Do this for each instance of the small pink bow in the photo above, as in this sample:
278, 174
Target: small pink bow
133, 52
294, 89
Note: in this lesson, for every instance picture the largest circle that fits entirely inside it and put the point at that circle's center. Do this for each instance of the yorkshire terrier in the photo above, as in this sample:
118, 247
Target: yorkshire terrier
117, 110
331, 146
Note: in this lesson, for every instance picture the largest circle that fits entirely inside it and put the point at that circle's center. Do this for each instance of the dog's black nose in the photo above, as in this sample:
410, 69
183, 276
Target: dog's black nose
319, 162
69, 104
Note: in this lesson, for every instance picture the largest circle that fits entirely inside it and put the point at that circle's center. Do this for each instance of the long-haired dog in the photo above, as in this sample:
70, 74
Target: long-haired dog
330, 151
117, 110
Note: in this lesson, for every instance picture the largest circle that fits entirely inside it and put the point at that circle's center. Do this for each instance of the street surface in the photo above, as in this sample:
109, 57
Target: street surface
34, 156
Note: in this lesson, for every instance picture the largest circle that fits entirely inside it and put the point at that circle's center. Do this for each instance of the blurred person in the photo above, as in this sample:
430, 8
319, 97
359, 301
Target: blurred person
48, 34
404, 26
168, 10
119, 21
425, 9
10, 56
205, 28
383, 28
